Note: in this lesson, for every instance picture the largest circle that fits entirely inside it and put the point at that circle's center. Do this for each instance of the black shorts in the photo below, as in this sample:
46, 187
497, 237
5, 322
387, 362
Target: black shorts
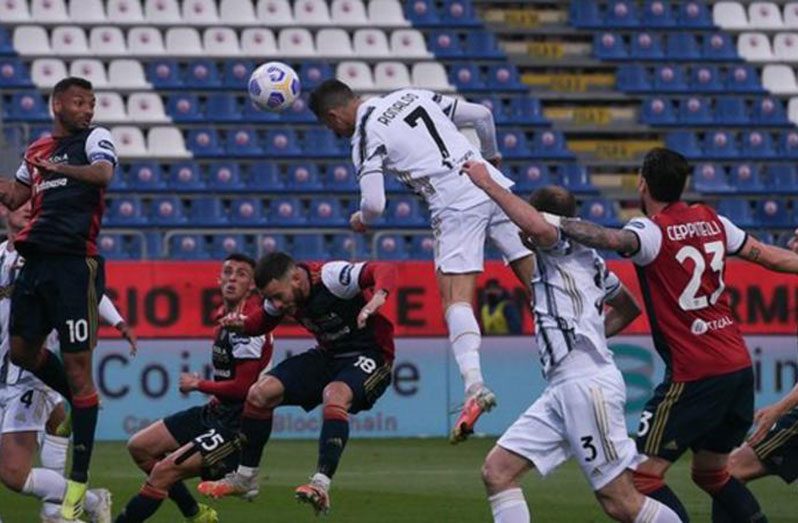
214, 431
778, 452
59, 292
712, 414
305, 375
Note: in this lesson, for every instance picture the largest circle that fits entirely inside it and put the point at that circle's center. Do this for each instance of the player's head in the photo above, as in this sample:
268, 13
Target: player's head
237, 278
335, 105
662, 176
279, 280
554, 200
18, 219
73, 103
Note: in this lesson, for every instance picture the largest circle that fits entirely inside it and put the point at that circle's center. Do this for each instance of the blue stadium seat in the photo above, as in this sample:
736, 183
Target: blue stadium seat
646, 46
706, 79
393, 185
246, 212
445, 44
391, 247
745, 178
222, 107
719, 46
264, 176
167, 211
225, 177
458, 12
658, 111
767, 237
682, 46
769, 111
202, 74
14, 136
684, 142
207, 212
585, 15
771, 212
310, 247
720, 144
146, 176
236, 73
599, 210
348, 247
204, 142
153, 242
743, 79
422, 247
304, 177
657, 13
782, 178
496, 105
134, 245
731, 111
757, 144
188, 247
609, 46
621, 13
112, 246
326, 212
243, 141
738, 211
6, 46
513, 143
576, 178
321, 142
422, 13
695, 111
311, 74
281, 142
466, 77
125, 211
504, 77
184, 107
118, 182
694, 15
669, 79
340, 177
533, 177
788, 144
633, 78
164, 74
299, 112
27, 107
269, 243
481, 44
39, 131
185, 177
550, 144
223, 245
404, 211
13, 73
526, 110
710, 178
286, 211
252, 113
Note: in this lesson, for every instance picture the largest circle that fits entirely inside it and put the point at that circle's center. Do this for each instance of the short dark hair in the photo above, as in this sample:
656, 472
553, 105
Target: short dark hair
329, 95
555, 200
665, 172
72, 81
241, 257
273, 266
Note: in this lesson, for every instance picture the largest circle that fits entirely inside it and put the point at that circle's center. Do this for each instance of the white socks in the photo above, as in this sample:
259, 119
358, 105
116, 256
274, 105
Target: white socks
321, 480
509, 506
655, 512
247, 472
466, 339
45, 484
54, 453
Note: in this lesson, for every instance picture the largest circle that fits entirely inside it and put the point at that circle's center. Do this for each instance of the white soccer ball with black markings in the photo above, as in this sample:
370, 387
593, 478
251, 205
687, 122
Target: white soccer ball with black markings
274, 86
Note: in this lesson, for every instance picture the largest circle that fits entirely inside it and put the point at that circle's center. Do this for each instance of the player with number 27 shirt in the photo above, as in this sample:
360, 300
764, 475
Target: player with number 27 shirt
347, 372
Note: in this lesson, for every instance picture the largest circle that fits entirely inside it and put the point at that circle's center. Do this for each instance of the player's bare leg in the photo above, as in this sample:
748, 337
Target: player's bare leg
731, 499
501, 475
256, 428
745, 465
337, 400
622, 502
457, 293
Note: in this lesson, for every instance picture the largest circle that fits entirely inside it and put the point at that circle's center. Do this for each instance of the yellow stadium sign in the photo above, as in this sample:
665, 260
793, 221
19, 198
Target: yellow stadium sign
572, 83
546, 50
613, 149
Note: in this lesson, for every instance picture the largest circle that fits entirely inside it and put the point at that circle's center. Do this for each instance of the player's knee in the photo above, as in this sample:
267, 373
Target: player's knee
13, 475
140, 454
711, 481
338, 393
618, 504
264, 394
495, 477
164, 474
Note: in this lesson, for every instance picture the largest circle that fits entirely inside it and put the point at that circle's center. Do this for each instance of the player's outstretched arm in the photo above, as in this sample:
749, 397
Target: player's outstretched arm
97, 173
623, 309
467, 114
109, 313
598, 237
769, 256
382, 278
525, 216
13, 193
372, 200
767, 416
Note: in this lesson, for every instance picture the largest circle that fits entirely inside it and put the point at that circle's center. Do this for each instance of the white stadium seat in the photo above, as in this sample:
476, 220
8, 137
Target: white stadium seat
275, 12
311, 12
129, 141
31, 39
14, 11
430, 75
258, 42
69, 41
166, 142
91, 69
390, 76
127, 74
46, 72
754, 47
333, 42
785, 47
87, 12
729, 15
356, 75
370, 42
779, 79
145, 41
408, 43
183, 41
791, 15
200, 12
237, 12
386, 12
220, 41
764, 15
125, 12
107, 41
348, 12
792, 110
48, 11
296, 42
162, 12
146, 108
110, 108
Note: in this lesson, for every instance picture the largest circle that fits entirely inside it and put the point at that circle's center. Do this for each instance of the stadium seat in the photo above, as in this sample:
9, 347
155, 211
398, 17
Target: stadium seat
202, 74
236, 73
525, 110
585, 15
348, 13
754, 47
430, 75
298, 112
188, 247
422, 247
31, 40
792, 110
745, 178
225, 177
720, 145
391, 75
303, 177
718, 46
204, 142
259, 42
764, 15
657, 14
779, 79
731, 111
166, 142
791, 15
744, 78
599, 210
125, 211
162, 12
706, 79
46, 72
49, 11
286, 211
785, 47
243, 141
621, 13
348, 247
185, 177
576, 178
14, 12
340, 178
532, 177
146, 177
167, 211
466, 77
107, 41
13, 73
768, 111
445, 44
391, 247
633, 78
264, 176
206, 212
146, 108
658, 111
297, 42
422, 13
550, 144
729, 15
513, 143
220, 41
236, 12
28, 107
247, 212
311, 13
738, 211
283, 142
482, 44
669, 79
112, 247
311, 74
222, 107
682, 46
145, 41
788, 145
134, 245
710, 178
370, 42
269, 243
386, 13
310, 247
164, 74
404, 211
504, 77
127, 74
609, 46
90, 69
200, 12
183, 41
356, 75
326, 212
694, 15
110, 108
333, 42
408, 43
184, 108
781, 178
772, 213
123, 12
758, 145
222, 245
646, 46
459, 12
683, 142
69, 41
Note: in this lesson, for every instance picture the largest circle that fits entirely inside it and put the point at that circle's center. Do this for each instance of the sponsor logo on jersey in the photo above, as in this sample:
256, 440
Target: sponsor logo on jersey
397, 107
684, 231
49, 184
345, 278
106, 144
59, 158
700, 326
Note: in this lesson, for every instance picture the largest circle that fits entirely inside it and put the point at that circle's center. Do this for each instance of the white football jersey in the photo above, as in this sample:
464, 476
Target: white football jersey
570, 285
410, 133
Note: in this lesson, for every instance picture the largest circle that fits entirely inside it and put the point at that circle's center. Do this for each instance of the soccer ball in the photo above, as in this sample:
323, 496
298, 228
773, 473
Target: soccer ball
273, 86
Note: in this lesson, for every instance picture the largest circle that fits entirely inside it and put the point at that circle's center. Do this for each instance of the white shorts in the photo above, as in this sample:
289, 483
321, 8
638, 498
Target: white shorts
26, 407
460, 237
579, 418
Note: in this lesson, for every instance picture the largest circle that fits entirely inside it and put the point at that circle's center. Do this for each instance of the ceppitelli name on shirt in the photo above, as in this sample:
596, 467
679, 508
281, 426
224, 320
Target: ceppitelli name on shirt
684, 231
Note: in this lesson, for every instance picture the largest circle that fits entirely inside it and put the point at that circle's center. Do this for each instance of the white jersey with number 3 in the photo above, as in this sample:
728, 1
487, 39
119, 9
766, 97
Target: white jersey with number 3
410, 133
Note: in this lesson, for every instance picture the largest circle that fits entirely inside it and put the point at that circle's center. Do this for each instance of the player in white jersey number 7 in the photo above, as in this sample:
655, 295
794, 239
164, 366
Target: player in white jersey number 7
414, 135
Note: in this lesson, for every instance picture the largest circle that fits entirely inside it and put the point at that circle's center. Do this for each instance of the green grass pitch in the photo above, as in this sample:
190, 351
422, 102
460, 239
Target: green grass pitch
399, 480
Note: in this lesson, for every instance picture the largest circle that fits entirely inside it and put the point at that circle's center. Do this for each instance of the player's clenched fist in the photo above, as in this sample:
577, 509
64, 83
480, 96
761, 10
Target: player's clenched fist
189, 382
477, 172
371, 307
356, 222
233, 321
